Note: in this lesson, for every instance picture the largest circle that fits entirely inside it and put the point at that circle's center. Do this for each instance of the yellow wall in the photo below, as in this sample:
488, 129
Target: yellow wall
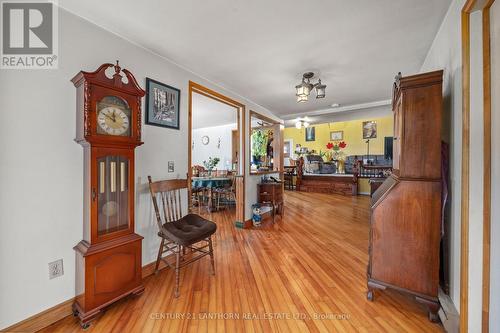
353, 136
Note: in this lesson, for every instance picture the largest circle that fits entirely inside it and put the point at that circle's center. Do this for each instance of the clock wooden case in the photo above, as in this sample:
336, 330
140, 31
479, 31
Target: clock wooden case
108, 259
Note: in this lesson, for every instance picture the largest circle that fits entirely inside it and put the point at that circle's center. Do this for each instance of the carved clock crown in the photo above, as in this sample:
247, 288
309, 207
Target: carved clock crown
92, 87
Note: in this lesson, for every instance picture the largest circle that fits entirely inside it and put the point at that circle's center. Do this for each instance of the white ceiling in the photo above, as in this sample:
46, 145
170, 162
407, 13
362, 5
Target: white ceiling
260, 48
207, 112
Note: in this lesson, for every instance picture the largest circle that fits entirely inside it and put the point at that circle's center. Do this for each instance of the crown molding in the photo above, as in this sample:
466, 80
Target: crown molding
340, 109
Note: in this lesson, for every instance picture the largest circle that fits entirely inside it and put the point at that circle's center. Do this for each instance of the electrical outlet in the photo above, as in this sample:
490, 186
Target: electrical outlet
56, 269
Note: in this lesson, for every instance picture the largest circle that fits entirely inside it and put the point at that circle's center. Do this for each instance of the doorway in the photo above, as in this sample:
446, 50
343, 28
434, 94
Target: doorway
216, 158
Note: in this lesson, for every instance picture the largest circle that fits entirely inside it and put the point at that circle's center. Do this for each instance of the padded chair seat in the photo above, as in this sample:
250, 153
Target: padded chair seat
190, 229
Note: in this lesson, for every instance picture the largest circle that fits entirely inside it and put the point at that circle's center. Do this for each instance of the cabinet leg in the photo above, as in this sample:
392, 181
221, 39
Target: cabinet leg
85, 318
432, 307
370, 295
74, 310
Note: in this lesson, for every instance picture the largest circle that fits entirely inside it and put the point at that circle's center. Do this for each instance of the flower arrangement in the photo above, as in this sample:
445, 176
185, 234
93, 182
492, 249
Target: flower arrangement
211, 164
336, 148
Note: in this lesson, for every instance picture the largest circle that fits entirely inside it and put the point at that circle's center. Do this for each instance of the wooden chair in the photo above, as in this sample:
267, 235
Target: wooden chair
199, 198
178, 231
221, 173
288, 177
227, 193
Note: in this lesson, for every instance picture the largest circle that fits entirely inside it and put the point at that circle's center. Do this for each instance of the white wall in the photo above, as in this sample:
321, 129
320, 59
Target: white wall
476, 173
202, 152
495, 169
445, 53
41, 167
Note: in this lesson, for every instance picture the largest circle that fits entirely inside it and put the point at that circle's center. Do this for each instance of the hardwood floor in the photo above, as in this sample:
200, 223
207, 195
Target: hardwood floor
312, 263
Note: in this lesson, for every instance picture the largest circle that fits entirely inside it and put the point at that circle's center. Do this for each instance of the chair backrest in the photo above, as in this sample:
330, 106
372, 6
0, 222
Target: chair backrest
166, 197
233, 182
221, 173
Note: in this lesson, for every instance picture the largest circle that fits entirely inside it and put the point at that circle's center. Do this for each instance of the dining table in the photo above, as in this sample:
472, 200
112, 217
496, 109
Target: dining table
210, 183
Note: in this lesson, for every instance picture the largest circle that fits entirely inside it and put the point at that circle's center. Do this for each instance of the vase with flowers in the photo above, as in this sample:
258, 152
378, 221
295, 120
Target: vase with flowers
337, 154
211, 164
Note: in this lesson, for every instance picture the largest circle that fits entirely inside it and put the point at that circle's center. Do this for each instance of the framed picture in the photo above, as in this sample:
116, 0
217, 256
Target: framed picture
369, 129
162, 104
170, 166
287, 149
310, 134
336, 135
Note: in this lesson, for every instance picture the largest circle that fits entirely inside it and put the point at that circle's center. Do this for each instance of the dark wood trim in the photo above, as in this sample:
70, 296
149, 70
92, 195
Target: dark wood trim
202, 90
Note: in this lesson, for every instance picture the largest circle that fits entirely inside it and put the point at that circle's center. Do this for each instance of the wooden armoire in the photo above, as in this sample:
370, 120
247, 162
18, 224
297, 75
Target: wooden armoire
406, 209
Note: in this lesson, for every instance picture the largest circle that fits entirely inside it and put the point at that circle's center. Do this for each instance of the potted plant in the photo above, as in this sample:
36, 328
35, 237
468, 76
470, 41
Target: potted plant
211, 164
259, 146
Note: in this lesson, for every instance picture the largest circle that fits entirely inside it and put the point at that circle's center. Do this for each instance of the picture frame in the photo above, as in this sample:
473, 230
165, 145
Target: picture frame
310, 134
369, 129
287, 149
336, 135
162, 104
170, 166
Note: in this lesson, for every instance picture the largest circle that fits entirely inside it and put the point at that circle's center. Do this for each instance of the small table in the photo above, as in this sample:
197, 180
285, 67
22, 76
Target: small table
271, 194
210, 183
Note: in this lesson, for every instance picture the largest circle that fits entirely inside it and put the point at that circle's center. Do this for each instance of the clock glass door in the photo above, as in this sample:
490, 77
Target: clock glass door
112, 194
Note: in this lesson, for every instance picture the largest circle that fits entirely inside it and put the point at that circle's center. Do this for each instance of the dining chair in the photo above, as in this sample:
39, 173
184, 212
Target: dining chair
199, 198
228, 193
179, 232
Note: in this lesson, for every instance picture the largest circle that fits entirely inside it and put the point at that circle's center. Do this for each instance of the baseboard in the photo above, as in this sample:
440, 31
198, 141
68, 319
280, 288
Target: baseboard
448, 314
43, 319
60, 311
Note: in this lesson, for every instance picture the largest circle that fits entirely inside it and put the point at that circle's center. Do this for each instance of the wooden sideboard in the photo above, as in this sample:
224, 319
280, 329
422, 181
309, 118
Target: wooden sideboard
271, 194
346, 184
406, 209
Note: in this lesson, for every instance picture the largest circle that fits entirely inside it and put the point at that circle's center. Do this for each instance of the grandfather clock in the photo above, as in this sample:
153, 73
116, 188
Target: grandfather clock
108, 126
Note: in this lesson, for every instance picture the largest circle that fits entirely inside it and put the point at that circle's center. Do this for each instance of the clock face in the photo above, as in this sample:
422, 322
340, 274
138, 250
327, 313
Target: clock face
113, 121
113, 116
205, 140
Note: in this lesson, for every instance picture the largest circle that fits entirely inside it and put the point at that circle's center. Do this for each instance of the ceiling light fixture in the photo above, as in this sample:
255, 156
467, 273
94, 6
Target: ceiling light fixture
301, 123
304, 88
